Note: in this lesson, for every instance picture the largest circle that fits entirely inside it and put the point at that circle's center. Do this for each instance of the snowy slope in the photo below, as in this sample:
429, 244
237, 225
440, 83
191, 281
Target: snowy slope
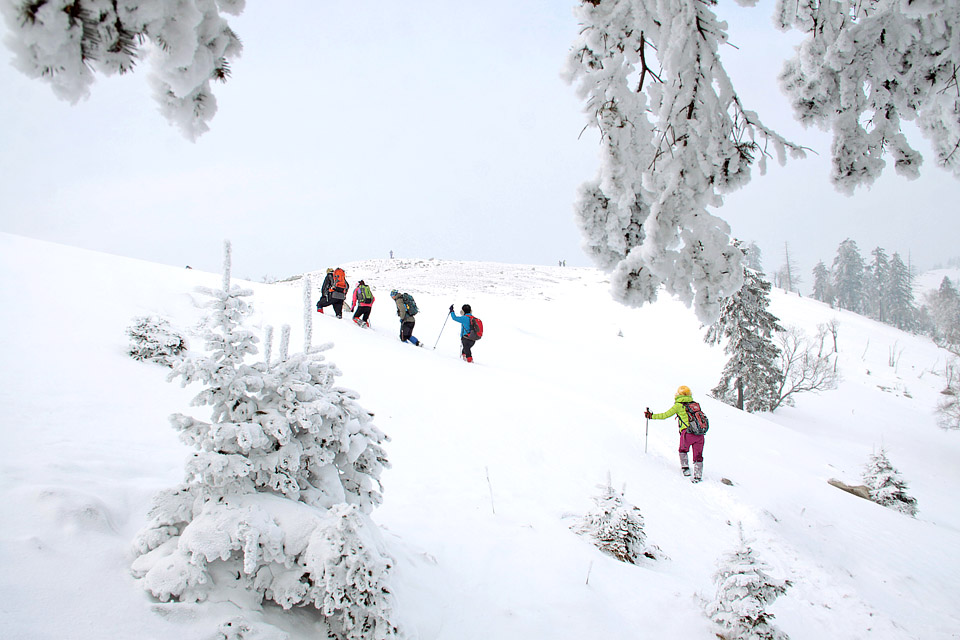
489, 460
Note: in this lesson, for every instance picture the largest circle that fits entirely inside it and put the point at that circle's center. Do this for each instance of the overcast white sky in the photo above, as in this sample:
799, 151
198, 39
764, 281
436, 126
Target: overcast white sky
429, 128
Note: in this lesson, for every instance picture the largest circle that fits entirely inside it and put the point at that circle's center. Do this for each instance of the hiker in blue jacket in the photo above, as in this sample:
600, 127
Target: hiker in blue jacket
468, 336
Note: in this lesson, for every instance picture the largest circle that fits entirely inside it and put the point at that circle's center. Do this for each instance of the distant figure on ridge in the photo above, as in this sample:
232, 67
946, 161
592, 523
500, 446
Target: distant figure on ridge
333, 291
471, 330
362, 303
693, 425
406, 309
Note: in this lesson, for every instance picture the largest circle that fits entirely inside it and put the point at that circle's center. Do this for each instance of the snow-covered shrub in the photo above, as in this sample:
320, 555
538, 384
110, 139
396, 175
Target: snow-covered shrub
276, 500
616, 527
887, 487
153, 338
744, 591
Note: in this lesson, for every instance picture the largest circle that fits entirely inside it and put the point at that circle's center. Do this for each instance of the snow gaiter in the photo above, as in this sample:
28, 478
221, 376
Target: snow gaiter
684, 462
697, 470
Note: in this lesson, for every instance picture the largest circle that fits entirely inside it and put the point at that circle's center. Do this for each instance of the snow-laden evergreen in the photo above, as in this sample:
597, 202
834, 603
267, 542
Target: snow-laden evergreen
751, 379
848, 273
616, 527
822, 285
278, 492
153, 338
887, 486
744, 592
898, 297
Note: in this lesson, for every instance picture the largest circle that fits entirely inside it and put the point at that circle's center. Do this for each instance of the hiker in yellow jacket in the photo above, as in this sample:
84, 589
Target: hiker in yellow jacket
687, 440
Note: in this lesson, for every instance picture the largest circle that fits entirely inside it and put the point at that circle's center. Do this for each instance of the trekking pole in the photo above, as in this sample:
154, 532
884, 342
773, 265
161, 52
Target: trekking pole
441, 332
646, 435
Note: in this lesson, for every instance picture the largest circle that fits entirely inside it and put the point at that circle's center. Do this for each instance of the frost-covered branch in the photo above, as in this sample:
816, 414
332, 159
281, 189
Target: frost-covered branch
671, 148
865, 67
68, 42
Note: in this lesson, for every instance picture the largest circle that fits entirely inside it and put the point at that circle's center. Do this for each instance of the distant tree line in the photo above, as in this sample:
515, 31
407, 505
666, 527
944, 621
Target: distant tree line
882, 289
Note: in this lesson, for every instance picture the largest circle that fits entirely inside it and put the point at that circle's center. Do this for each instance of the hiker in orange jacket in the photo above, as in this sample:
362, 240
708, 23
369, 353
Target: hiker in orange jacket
687, 440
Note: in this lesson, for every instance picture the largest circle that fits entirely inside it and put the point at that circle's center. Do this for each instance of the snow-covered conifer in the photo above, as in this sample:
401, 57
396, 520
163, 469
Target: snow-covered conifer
616, 527
744, 591
898, 294
944, 306
751, 378
822, 285
753, 257
848, 268
887, 487
283, 477
875, 281
153, 338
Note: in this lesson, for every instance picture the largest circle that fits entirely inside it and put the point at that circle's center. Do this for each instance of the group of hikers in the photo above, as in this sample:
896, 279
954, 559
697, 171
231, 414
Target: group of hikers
333, 293
691, 420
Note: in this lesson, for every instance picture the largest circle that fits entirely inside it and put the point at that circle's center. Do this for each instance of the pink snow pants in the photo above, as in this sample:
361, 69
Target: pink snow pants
688, 441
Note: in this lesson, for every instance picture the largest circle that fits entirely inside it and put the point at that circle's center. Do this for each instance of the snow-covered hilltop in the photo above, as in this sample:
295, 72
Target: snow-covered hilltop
491, 463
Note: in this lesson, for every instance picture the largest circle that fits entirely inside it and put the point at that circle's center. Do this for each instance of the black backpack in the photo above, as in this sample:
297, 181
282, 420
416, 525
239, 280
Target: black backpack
699, 424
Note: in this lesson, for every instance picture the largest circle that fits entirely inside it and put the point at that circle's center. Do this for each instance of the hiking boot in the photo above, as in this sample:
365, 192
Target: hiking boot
695, 480
686, 471
469, 359
697, 471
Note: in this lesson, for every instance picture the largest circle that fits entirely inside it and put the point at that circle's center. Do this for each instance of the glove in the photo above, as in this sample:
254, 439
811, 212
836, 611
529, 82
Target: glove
648, 414
451, 308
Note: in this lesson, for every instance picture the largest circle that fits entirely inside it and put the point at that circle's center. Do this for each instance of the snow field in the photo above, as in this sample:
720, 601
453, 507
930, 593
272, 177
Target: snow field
489, 461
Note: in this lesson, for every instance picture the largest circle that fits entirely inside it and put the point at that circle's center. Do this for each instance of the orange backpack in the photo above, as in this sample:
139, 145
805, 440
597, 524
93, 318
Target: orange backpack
339, 280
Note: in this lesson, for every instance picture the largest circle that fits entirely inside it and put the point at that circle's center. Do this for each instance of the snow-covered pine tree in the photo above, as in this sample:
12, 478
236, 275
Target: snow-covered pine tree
153, 338
616, 527
753, 257
848, 270
277, 495
751, 377
898, 294
822, 285
944, 306
875, 281
887, 487
675, 137
744, 591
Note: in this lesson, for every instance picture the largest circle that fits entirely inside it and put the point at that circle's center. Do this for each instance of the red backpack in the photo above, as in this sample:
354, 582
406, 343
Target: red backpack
698, 419
476, 328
